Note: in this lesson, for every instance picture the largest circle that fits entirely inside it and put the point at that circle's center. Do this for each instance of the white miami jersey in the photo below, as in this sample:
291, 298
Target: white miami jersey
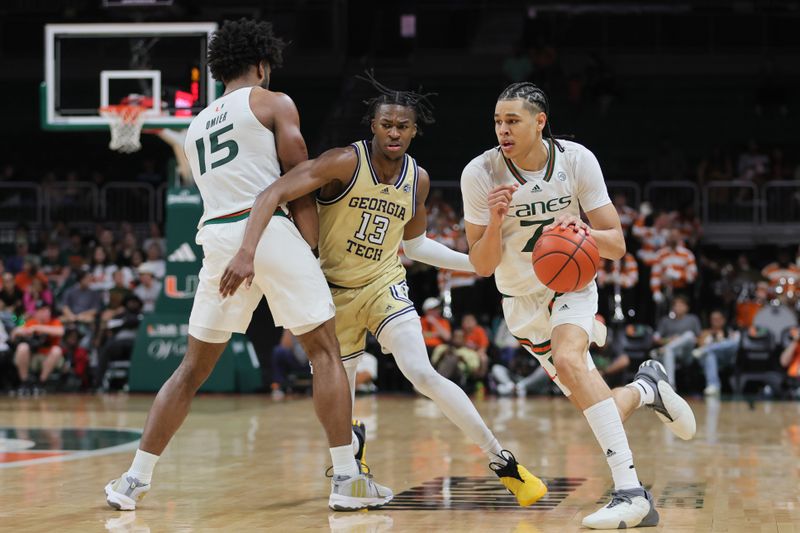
232, 155
570, 180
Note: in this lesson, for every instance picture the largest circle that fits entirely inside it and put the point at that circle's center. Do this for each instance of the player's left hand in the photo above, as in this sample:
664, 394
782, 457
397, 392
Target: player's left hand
565, 221
238, 270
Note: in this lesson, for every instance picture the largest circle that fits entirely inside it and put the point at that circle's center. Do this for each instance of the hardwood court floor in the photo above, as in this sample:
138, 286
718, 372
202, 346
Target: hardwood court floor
247, 463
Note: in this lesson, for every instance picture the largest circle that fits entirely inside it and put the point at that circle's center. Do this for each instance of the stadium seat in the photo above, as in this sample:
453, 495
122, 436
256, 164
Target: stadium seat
756, 361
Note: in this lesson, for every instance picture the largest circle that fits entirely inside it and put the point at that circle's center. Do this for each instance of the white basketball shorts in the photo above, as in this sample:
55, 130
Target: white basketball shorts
286, 272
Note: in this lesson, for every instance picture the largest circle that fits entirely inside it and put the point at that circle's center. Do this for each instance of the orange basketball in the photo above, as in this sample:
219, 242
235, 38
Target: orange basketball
564, 260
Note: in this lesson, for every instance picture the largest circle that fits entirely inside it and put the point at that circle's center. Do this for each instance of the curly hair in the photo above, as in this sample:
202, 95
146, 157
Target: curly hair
240, 44
418, 101
534, 99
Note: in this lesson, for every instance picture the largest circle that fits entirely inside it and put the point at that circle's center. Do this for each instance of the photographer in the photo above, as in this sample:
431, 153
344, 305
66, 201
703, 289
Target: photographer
38, 348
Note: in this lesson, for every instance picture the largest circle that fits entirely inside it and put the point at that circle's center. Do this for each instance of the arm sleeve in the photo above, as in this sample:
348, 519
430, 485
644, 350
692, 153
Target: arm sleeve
428, 251
475, 192
592, 192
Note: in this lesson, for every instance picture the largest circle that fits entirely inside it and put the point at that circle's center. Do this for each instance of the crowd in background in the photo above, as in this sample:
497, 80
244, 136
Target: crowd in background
70, 303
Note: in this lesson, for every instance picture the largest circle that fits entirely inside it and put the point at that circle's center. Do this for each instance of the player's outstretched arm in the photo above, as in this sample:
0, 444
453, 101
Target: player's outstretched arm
301, 180
418, 247
486, 242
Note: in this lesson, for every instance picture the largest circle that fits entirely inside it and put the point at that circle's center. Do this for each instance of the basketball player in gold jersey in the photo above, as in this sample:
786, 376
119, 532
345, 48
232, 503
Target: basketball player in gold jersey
371, 196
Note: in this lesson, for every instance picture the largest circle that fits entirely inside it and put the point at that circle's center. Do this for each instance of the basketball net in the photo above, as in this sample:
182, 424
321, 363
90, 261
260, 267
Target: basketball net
125, 121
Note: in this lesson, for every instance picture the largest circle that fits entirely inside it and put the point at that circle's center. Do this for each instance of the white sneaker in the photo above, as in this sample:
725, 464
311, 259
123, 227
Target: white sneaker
359, 492
711, 390
521, 391
627, 508
124, 492
668, 405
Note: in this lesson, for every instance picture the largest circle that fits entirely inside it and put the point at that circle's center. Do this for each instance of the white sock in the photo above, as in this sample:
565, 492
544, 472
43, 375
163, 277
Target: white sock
343, 462
606, 424
142, 466
355, 443
406, 343
646, 393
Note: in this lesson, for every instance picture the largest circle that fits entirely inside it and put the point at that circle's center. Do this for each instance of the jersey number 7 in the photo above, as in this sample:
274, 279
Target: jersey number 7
536, 234
229, 145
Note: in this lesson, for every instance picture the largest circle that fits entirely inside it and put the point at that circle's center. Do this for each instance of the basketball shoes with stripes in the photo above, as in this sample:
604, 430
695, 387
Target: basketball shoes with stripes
668, 405
125, 492
353, 493
627, 508
527, 488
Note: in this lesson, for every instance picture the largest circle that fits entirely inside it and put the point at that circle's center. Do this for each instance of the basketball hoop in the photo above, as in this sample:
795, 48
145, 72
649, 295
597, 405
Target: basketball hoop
125, 121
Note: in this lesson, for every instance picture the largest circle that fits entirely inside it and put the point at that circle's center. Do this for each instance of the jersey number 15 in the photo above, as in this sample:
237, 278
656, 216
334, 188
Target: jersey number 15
216, 146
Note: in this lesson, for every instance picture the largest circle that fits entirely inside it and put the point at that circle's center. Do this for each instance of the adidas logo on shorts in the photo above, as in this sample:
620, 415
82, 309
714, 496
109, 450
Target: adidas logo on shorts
183, 254
563, 307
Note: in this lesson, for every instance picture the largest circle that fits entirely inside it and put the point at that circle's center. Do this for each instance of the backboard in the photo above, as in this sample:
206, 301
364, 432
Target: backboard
89, 66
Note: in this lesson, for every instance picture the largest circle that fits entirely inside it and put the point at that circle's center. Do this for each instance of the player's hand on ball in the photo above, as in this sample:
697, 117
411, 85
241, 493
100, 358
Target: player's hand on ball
238, 270
565, 221
499, 200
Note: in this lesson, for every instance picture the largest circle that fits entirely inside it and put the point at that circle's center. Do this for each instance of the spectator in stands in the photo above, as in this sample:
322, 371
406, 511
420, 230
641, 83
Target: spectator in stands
779, 167
122, 329
435, 328
75, 251
108, 242
55, 265
76, 355
716, 349
753, 164
455, 361
137, 260
627, 214
674, 268
475, 338
38, 348
156, 238
651, 231
149, 288
37, 294
126, 248
288, 357
10, 295
676, 335
16, 262
102, 271
157, 263
29, 272
81, 303
617, 277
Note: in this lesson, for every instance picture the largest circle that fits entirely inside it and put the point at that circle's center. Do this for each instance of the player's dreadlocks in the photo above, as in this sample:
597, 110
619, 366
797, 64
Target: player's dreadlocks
418, 101
240, 44
535, 99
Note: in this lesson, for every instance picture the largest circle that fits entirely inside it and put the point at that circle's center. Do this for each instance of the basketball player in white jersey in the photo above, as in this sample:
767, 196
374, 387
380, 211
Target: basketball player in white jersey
372, 198
236, 147
512, 193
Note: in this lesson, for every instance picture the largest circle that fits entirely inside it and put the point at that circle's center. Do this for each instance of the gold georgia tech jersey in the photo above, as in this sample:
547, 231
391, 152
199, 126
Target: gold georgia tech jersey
360, 230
